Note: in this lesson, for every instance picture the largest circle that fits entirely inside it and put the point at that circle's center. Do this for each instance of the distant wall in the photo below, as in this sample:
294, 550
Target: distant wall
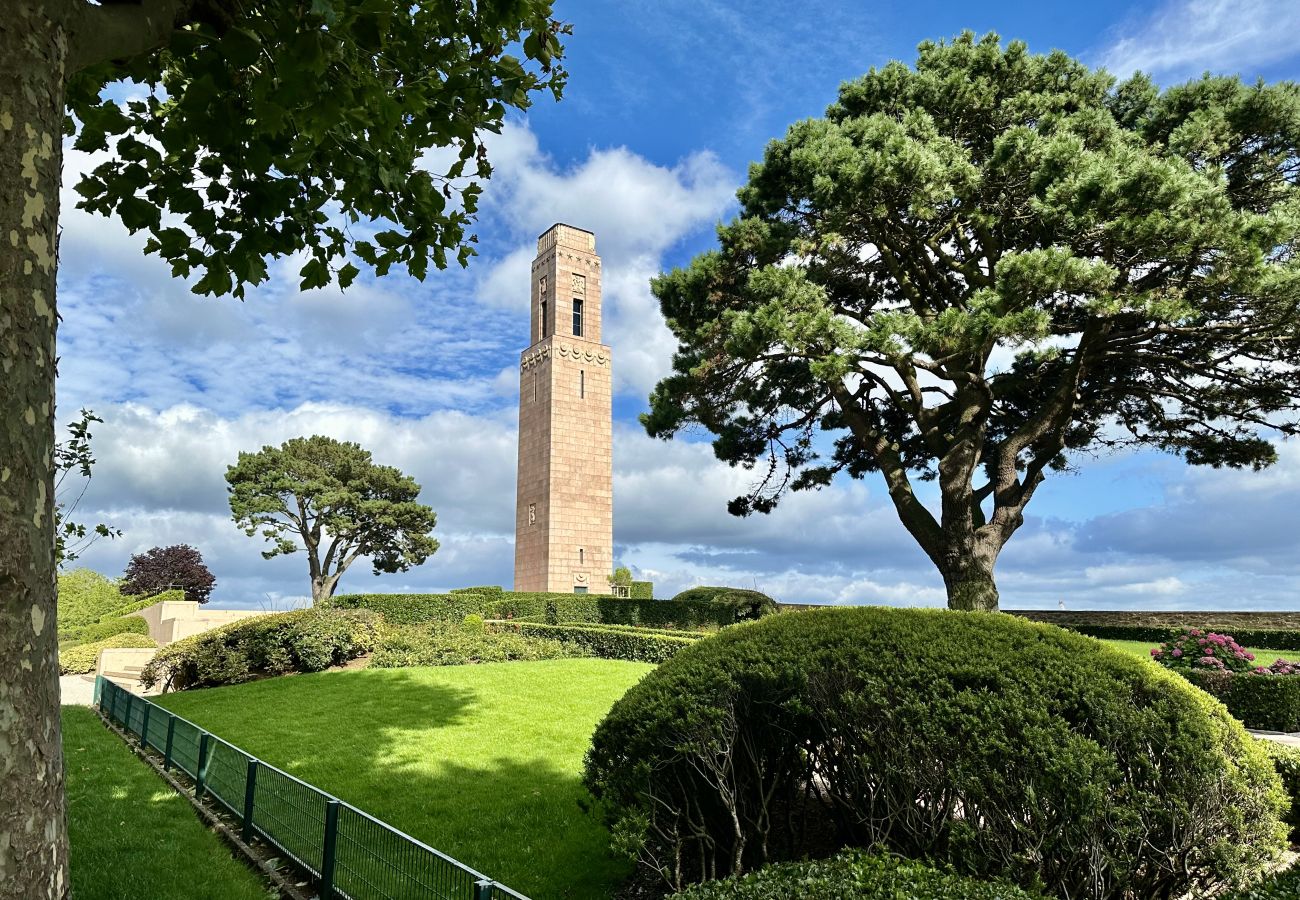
172, 620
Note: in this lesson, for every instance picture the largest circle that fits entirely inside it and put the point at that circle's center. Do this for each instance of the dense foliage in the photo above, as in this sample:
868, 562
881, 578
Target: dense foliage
84, 596
1286, 760
1284, 885
447, 644
748, 604
1133, 250
82, 658
607, 641
1094, 774
853, 875
332, 497
178, 567
305, 640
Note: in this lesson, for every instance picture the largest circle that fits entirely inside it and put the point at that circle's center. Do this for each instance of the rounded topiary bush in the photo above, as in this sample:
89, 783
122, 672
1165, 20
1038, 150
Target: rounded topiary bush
996, 745
747, 604
854, 875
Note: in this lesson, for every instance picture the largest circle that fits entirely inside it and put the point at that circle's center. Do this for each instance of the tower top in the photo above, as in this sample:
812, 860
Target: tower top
566, 236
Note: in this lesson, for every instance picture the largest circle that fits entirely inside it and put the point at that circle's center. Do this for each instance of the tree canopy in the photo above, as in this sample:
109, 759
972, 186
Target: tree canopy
975, 266
329, 498
178, 567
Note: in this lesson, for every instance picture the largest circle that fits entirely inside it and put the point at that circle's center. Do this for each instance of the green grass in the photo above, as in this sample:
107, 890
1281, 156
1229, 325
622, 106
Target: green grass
1262, 657
131, 835
482, 762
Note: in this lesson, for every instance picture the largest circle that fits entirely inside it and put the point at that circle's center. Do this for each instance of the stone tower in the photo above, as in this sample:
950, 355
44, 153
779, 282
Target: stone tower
564, 518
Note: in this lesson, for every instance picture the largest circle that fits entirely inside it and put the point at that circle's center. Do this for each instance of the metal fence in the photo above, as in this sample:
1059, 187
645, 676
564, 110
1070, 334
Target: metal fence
353, 855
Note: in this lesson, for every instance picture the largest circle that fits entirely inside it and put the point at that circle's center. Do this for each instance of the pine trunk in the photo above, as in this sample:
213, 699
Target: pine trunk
969, 583
33, 835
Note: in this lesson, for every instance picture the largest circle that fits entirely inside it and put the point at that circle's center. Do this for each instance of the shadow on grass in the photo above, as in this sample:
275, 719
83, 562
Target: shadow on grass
488, 773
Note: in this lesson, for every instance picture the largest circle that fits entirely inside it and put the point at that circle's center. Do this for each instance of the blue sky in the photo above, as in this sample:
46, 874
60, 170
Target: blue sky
667, 103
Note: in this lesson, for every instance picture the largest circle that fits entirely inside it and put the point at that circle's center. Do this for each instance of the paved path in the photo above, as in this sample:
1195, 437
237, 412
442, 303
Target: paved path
1291, 740
77, 690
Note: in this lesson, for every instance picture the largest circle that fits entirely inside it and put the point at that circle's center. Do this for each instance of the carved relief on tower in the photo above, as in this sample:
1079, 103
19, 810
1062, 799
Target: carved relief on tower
579, 286
534, 358
581, 354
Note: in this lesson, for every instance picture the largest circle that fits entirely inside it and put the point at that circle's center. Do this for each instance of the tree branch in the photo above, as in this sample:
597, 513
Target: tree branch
123, 30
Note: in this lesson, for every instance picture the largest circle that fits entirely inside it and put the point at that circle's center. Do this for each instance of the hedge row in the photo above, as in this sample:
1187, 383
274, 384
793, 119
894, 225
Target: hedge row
83, 658
1260, 639
1286, 760
551, 608
643, 590
606, 643
1267, 702
1282, 886
305, 640
854, 875
446, 644
97, 631
1263, 631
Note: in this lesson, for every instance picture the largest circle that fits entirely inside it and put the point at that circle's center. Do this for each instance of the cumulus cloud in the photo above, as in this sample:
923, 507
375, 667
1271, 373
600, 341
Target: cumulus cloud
1182, 38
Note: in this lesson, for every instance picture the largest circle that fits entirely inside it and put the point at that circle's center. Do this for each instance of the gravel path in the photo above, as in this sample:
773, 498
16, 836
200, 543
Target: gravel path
77, 690
1291, 740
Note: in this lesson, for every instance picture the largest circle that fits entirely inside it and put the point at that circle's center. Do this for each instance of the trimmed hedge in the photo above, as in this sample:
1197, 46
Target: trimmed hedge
441, 644
551, 608
83, 658
304, 640
606, 642
747, 604
1266, 702
487, 590
100, 630
642, 590
854, 875
1094, 773
1263, 631
1286, 760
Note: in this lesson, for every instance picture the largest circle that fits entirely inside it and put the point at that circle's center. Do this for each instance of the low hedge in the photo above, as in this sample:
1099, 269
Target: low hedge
82, 658
1286, 760
642, 590
304, 640
97, 631
606, 642
854, 875
998, 746
1263, 631
443, 644
1266, 702
486, 590
552, 608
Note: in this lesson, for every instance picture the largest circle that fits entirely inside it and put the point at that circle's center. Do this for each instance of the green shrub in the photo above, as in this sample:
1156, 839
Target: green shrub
82, 658
1093, 773
607, 642
642, 590
1283, 885
441, 644
854, 875
415, 609
97, 631
747, 604
304, 640
473, 622
1267, 702
1286, 760
84, 596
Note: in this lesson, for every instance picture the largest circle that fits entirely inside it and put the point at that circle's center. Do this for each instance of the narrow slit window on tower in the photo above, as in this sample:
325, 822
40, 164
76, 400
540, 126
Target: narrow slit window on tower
582, 384
534, 388
580, 556
577, 317
542, 329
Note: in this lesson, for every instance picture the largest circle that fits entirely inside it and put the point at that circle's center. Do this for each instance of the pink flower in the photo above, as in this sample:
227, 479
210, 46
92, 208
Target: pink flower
1250, 656
1195, 632
1155, 651
1177, 652
1209, 651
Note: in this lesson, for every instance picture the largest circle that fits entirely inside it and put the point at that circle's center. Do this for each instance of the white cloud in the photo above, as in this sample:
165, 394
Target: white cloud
1182, 38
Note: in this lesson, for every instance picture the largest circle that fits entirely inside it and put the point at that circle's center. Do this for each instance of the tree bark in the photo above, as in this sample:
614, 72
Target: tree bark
33, 834
968, 579
322, 587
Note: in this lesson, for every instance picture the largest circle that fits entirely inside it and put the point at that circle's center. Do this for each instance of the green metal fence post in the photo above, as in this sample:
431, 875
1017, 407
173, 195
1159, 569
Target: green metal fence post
126, 723
144, 726
167, 753
483, 890
250, 789
327, 854
99, 693
198, 768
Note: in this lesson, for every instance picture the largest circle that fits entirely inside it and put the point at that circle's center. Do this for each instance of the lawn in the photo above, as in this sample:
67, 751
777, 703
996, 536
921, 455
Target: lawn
482, 762
1262, 657
131, 835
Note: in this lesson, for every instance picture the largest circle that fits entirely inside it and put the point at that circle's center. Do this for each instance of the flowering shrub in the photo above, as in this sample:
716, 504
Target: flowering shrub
1204, 651
1280, 667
